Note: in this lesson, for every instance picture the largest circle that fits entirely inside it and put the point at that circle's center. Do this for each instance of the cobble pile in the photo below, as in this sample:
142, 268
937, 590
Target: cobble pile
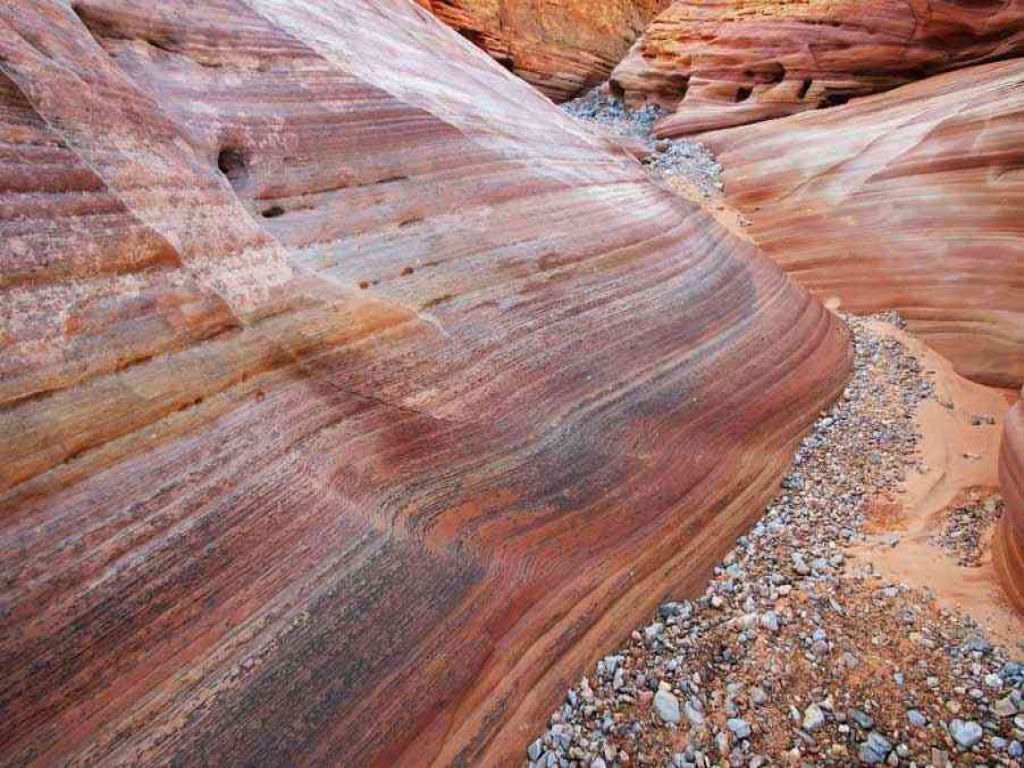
967, 527
792, 656
675, 158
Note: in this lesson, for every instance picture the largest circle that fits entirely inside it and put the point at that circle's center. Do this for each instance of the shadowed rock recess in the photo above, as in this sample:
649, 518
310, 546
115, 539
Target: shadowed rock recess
354, 399
909, 200
731, 62
560, 46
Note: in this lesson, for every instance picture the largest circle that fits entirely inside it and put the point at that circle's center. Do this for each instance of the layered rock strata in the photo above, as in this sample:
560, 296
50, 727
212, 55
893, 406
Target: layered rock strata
731, 62
907, 200
561, 47
353, 398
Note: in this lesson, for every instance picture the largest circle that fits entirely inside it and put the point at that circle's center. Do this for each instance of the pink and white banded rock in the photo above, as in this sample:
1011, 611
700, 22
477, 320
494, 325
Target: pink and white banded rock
354, 397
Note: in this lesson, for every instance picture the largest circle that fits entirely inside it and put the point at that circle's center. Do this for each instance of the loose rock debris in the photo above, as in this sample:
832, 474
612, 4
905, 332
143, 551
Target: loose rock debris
794, 657
667, 158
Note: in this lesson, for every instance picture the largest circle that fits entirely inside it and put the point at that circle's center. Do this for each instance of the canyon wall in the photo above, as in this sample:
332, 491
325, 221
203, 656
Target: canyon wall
908, 200
561, 47
354, 398
1009, 546
731, 62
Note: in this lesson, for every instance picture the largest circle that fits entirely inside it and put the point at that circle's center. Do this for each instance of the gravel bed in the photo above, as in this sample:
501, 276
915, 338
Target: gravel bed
668, 157
967, 527
793, 656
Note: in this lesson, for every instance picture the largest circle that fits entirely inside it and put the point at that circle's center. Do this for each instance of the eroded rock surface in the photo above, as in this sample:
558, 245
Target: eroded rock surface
353, 397
1010, 551
561, 46
741, 61
907, 200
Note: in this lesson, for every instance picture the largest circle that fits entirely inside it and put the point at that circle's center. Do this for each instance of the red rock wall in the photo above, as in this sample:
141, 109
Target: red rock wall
354, 398
562, 46
908, 200
1010, 542
741, 61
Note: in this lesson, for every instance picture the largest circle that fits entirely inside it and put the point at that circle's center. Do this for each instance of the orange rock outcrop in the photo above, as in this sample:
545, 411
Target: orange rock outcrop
908, 200
731, 62
353, 398
561, 47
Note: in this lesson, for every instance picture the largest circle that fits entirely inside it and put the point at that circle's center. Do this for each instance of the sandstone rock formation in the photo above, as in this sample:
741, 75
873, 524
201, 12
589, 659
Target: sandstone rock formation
907, 200
562, 46
732, 62
1010, 542
353, 397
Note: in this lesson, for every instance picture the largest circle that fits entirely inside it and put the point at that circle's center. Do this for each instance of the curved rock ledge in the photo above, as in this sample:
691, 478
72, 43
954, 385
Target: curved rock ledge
907, 200
354, 398
732, 62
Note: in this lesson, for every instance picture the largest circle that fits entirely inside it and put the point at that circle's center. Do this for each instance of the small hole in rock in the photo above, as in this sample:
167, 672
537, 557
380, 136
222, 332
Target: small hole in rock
406, 271
833, 100
273, 212
475, 37
804, 88
742, 94
774, 73
364, 284
170, 45
231, 163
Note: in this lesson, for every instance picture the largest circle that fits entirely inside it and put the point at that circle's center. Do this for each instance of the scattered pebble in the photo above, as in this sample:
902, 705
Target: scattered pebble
966, 733
967, 526
667, 706
794, 656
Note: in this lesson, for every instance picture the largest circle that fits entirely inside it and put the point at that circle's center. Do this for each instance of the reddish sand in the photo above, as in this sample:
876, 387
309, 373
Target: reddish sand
960, 457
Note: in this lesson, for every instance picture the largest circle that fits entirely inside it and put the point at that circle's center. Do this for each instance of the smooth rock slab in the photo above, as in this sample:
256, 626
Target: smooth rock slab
343, 374
878, 205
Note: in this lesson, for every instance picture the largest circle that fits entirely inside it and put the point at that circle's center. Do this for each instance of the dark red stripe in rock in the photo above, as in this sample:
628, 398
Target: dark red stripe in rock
253, 513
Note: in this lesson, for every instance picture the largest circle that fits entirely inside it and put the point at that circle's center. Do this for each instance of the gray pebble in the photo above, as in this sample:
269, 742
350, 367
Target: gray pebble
666, 706
966, 733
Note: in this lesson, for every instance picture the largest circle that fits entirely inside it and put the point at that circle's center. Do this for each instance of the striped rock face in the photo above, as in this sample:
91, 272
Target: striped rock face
731, 62
1010, 543
560, 46
907, 200
354, 399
